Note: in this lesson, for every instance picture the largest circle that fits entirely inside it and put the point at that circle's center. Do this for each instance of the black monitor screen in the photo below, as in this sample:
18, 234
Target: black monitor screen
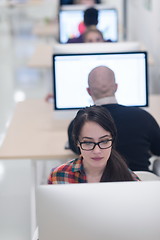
71, 21
70, 75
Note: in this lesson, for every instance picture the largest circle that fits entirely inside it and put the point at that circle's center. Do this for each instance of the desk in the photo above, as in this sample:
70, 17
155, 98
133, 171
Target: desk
42, 56
34, 133
46, 29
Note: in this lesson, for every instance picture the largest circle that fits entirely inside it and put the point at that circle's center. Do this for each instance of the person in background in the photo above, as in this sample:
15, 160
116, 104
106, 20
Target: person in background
92, 35
94, 133
90, 20
138, 132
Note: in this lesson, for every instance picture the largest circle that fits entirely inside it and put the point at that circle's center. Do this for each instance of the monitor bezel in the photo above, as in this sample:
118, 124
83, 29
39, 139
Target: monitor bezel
105, 53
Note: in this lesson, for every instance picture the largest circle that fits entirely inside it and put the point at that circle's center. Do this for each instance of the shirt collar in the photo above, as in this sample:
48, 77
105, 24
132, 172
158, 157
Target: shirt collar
105, 100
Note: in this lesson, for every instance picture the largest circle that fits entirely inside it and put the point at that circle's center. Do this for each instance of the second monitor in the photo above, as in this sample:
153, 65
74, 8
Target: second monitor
70, 75
71, 18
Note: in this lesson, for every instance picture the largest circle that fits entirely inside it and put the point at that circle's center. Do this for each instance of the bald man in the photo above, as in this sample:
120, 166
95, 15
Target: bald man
138, 132
101, 82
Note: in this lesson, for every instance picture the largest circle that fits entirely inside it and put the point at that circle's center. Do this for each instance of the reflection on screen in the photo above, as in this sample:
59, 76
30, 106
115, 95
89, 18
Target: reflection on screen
71, 24
71, 78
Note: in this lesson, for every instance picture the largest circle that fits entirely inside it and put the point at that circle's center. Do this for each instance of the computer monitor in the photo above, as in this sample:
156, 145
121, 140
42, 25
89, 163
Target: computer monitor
122, 46
70, 18
70, 78
93, 211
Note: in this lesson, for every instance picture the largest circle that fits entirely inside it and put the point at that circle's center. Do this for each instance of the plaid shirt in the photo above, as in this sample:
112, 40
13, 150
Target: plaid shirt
72, 172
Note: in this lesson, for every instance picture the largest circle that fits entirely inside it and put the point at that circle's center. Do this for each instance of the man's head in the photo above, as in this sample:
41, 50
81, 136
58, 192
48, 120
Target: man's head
90, 17
101, 82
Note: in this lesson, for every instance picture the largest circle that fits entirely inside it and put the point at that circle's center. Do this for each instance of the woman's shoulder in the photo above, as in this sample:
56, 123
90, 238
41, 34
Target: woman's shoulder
65, 173
70, 166
66, 167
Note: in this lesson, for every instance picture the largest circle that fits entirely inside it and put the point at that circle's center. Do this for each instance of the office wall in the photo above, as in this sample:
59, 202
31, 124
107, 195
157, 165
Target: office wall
118, 4
143, 24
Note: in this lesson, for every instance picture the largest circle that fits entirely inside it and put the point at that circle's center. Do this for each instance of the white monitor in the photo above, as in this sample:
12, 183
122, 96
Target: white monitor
99, 211
122, 46
70, 78
70, 18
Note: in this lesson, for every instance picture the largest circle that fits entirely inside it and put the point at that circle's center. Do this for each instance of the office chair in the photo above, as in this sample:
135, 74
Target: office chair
156, 166
147, 176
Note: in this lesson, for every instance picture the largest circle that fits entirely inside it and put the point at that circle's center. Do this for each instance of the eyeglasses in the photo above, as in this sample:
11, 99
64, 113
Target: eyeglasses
87, 146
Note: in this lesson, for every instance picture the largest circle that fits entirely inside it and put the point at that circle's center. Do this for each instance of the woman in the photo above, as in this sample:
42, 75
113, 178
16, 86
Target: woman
92, 35
94, 133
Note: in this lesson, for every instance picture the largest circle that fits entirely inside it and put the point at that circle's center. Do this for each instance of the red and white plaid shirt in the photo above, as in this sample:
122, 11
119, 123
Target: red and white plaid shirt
73, 172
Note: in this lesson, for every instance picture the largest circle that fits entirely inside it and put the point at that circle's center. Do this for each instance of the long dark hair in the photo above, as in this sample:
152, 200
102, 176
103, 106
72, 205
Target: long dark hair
116, 169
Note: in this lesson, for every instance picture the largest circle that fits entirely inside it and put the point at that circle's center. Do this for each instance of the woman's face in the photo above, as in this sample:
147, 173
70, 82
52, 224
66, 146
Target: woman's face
93, 37
96, 158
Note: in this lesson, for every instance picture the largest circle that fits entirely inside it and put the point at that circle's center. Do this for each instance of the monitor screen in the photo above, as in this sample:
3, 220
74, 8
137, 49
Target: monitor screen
70, 78
69, 20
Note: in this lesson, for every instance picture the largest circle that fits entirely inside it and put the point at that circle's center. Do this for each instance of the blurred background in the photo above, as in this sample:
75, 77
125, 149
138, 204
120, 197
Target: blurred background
25, 26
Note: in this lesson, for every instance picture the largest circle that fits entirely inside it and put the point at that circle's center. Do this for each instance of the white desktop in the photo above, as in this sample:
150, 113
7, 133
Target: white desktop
99, 211
96, 47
